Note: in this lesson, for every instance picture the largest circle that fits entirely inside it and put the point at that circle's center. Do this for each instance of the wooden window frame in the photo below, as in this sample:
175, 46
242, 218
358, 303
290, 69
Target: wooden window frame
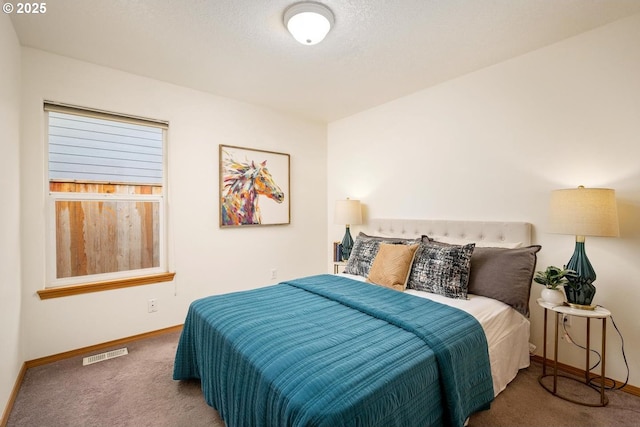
106, 285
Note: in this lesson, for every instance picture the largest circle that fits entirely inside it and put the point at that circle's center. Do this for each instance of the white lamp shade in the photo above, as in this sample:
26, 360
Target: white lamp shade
308, 23
348, 212
584, 212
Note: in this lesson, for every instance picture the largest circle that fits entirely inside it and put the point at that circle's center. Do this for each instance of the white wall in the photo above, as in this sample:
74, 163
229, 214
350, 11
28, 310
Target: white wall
491, 145
207, 260
10, 212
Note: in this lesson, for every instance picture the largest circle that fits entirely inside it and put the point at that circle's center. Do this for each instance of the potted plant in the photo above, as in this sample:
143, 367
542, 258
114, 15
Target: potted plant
553, 278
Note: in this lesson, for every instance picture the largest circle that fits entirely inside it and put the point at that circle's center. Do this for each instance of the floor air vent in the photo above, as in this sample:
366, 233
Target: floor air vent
104, 356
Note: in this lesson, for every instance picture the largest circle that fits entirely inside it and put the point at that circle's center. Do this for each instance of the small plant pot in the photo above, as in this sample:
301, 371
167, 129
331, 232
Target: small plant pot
552, 296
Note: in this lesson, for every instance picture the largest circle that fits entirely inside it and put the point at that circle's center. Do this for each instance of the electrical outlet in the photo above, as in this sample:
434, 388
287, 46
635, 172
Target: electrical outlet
274, 273
566, 320
152, 305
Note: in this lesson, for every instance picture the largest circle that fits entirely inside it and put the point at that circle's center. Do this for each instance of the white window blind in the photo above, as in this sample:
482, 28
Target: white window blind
94, 149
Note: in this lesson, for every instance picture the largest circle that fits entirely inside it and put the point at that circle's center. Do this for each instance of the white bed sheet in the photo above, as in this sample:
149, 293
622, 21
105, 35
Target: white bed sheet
507, 332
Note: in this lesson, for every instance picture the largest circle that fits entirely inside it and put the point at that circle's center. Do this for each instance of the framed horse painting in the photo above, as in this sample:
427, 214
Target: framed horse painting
254, 187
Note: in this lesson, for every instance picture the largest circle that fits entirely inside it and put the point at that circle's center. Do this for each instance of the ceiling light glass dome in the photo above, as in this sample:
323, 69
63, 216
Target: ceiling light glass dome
308, 22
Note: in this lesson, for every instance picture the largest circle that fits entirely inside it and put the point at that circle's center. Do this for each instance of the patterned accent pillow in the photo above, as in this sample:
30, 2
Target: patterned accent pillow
365, 249
442, 270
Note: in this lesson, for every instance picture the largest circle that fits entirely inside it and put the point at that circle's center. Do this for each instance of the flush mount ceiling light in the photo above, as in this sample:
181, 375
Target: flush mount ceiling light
308, 22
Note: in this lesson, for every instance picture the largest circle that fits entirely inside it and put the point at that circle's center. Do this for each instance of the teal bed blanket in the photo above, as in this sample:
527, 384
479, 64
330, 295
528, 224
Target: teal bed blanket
331, 351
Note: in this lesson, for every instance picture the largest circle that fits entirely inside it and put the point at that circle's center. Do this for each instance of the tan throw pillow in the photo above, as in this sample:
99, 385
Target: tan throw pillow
392, 265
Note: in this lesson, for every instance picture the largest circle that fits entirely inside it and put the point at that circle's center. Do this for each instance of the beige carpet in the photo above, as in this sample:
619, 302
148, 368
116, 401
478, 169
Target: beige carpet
137, 390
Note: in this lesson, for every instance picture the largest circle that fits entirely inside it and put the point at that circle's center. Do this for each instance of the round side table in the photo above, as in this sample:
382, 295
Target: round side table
559, 310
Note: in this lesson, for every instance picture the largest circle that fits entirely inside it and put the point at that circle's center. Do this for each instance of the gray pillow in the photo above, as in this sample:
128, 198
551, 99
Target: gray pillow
504, 274
441, 269
365, 249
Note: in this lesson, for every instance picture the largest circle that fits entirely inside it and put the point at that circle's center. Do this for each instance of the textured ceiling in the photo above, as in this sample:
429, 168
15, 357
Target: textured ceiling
378, 50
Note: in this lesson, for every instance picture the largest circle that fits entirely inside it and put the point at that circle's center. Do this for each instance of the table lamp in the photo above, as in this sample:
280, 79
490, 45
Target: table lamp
583, 212
347, 212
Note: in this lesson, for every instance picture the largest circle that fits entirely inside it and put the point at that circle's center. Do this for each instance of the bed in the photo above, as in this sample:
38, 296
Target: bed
349, 349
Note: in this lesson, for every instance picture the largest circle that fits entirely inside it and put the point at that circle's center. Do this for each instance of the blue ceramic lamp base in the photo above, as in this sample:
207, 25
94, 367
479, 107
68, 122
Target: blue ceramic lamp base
347, 244
580, 291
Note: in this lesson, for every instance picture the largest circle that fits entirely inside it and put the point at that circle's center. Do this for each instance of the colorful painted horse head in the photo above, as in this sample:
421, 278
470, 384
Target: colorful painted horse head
243, 183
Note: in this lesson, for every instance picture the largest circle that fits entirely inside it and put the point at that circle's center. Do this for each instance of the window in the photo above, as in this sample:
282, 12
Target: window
106, 200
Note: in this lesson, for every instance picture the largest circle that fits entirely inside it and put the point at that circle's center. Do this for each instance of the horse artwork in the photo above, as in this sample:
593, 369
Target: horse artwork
243, 182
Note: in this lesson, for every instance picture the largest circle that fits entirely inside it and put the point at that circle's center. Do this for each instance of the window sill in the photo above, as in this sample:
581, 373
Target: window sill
65, 291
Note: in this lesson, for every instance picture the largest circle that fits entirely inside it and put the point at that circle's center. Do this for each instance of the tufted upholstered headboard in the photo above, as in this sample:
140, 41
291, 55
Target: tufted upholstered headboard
470, 231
